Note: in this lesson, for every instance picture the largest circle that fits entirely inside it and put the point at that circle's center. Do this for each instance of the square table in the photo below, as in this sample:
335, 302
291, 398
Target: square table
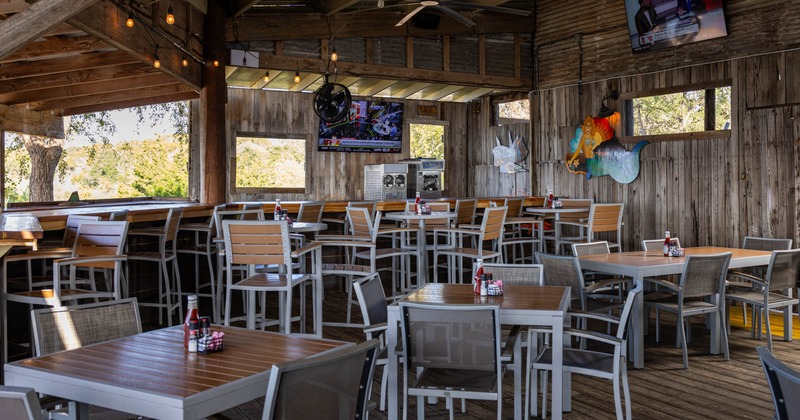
520, 305
152, 375
639, 265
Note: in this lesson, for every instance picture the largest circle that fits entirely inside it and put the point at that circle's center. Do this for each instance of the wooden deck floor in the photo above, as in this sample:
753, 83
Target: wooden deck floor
711, 388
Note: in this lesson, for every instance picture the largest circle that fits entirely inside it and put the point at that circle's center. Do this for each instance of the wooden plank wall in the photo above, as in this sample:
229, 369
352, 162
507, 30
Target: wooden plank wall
333, 175
706, 192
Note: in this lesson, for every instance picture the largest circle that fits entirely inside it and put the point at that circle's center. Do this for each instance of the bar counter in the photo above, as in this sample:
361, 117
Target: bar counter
55, 217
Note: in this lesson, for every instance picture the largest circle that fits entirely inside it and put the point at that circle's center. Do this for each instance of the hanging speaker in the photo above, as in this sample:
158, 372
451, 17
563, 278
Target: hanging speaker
424, 20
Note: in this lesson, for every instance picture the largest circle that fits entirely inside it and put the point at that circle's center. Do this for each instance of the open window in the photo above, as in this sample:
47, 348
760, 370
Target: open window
689, 113
513, 111
270, 163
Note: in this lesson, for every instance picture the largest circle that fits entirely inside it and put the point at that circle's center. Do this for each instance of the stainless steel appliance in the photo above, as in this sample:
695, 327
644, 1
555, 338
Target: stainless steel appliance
425, 176
387, 181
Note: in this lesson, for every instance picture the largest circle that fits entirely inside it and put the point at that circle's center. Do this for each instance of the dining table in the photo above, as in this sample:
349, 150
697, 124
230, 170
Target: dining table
152, 375
519, 305
408, 216
641, 264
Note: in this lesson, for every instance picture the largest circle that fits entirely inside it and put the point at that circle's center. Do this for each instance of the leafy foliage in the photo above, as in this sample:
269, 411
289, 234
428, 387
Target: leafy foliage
682, 112
270, 163
427, 140
518, 110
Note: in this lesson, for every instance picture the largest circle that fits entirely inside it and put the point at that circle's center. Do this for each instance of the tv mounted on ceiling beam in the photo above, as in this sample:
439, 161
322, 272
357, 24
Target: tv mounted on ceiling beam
656, 24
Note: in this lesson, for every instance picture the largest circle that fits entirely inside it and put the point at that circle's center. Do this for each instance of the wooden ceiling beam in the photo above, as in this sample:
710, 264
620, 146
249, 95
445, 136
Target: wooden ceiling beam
315, 65
119, 84
130, 103
238, 7
31, 23
29, 122
74, 78
107, 22
101, 101
10, 71
281, 26
56, 48
8, 7
336, 6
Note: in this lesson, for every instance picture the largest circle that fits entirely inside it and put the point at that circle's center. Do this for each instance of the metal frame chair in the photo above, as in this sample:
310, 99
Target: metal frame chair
775, 292
311, 211
602, 218
201, 244
20, 403
455, 350
784, 385
334, 384
703, 278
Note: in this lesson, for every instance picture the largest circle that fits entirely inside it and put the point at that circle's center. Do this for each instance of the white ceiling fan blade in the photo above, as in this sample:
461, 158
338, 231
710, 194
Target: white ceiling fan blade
455, 15
498, 9
410, 15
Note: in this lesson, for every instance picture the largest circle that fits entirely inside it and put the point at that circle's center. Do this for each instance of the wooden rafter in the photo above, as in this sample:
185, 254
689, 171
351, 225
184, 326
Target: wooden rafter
74, 63
54, 48
131, 102
121, 83
118, 97
64, 80
31, 23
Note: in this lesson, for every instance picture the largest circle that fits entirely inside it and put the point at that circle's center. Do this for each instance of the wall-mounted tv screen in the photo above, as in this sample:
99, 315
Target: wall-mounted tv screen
656, 24
371, 126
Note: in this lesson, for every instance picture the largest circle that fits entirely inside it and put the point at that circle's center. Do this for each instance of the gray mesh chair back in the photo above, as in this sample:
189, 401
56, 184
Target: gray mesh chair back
311, 212
657, 244
704, 275
525, 274
783, 271
71, 327
784, 385
20, 403
455, 349
372, 300
331, 385
766, 244
465, 211
590, 248
563, 271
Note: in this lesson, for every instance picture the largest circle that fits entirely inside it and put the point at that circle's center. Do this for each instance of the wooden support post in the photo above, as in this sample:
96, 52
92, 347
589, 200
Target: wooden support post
213, 148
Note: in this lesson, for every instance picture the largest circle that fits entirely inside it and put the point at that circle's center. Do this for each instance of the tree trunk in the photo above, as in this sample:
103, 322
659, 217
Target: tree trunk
45, 153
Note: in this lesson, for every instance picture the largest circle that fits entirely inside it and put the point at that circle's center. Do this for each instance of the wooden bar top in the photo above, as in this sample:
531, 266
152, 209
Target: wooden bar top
19, 229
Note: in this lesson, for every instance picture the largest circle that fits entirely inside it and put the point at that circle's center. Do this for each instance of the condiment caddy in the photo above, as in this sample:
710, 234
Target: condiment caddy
197, 334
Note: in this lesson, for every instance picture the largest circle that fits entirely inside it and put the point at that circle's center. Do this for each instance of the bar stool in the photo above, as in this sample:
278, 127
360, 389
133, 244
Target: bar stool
200, 244
169, 292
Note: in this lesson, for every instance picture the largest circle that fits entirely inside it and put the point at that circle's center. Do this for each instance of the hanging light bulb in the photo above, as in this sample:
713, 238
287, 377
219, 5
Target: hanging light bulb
380, 4
185, 62
334, 56
216, 63
170, 16
130, 22
156, 61
297, 76
266, 77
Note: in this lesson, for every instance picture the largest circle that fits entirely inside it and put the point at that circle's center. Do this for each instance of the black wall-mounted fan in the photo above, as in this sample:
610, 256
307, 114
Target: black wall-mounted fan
332, 101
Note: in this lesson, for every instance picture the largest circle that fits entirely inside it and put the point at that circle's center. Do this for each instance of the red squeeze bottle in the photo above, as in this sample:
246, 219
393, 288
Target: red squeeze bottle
416, 204
666, 244
191, 314
476, 282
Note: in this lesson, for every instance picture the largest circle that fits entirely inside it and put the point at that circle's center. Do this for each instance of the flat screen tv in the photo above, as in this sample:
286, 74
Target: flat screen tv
656, 24
371, 126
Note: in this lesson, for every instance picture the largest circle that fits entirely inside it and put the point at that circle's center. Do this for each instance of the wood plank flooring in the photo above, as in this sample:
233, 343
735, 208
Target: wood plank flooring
711, 388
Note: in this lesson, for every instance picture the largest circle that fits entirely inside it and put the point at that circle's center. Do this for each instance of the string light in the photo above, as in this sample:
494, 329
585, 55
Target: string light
216, 63
185, 62
130, 22
170, 16
334, 56
156, 61
266, 77
297, 76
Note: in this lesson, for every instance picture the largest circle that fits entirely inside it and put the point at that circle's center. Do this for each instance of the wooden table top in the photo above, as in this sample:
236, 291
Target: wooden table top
156, 362
515, 297
657, 258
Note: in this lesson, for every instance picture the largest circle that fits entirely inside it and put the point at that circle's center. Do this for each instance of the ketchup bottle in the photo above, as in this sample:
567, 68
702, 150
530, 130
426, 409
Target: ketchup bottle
277, 212
191, 314
666, 244
416, 204
476, 282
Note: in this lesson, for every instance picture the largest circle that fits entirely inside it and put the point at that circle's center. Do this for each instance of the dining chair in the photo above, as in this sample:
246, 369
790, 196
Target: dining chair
169, 286
487, 244
465, 213
374, 311
20, 403
701, 290
784, 385
98, 245
774, 292
600, 283
70, 327
657, 244
262, 242
334, 384
454, 351
311, 211
563, 270
602, 218
595, 363
369, 205
576, 217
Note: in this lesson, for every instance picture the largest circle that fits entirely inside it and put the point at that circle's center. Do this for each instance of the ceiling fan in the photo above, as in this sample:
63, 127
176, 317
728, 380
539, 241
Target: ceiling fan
444, 7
